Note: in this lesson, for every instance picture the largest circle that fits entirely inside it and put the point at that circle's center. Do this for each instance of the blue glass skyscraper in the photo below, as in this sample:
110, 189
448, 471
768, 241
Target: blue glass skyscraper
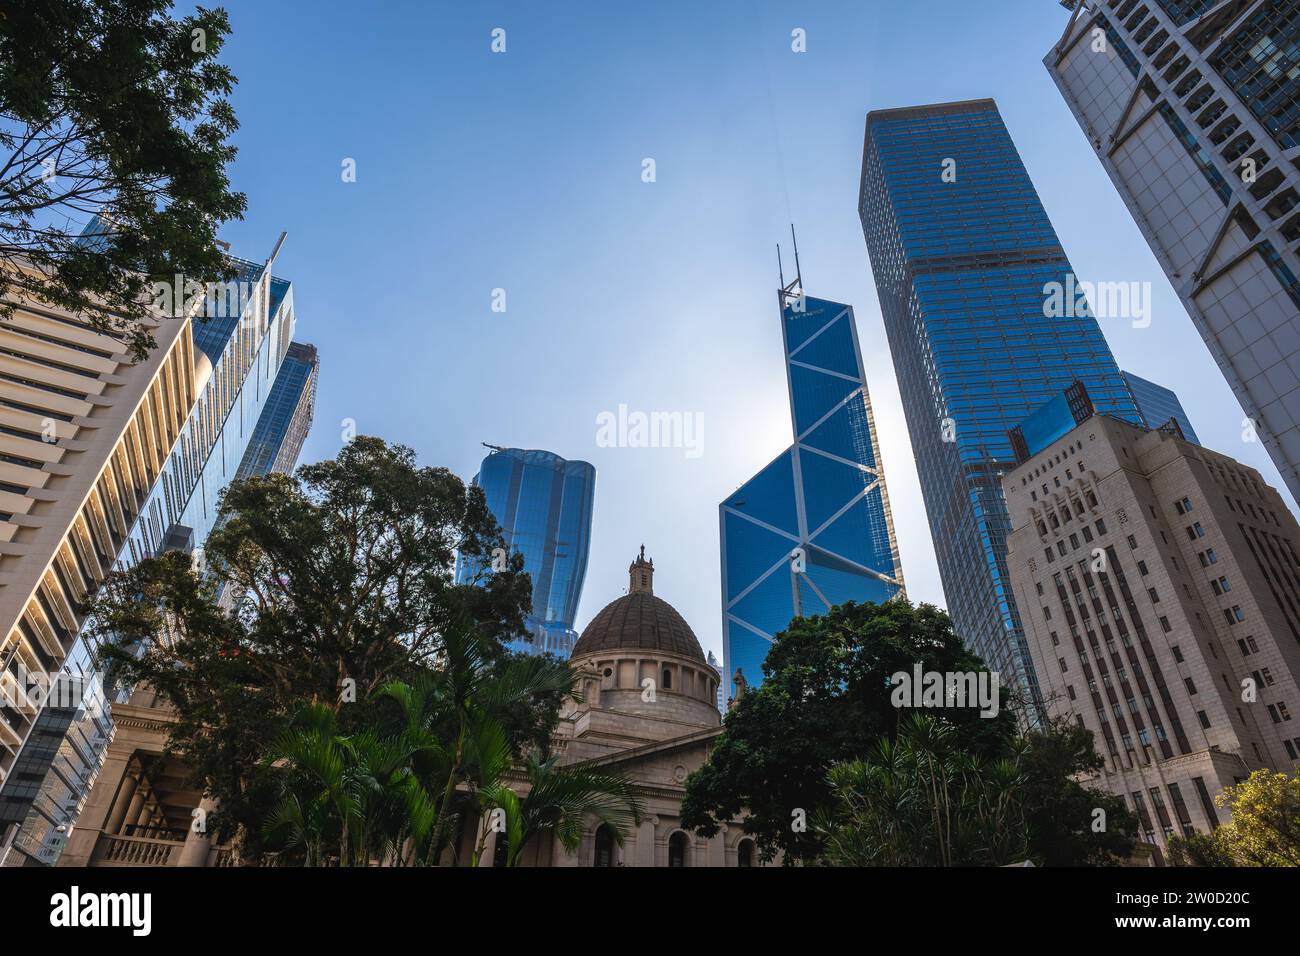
285, 421
543, 504
813, 528
963, 256
1158, 404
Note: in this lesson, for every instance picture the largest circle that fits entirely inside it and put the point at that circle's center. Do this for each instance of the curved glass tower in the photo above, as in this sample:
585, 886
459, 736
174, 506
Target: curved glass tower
543, 504
813, 528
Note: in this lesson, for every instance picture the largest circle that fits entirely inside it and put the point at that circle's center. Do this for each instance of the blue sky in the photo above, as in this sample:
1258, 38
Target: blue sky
521, 171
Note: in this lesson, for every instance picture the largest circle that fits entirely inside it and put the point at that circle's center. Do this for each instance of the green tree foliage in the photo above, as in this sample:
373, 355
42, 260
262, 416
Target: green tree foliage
112, 107
1265, 825
920, 799
822, 739
342, 577
825, 699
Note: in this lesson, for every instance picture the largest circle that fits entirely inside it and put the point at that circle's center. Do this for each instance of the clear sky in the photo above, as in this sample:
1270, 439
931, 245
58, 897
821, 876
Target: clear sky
522, 171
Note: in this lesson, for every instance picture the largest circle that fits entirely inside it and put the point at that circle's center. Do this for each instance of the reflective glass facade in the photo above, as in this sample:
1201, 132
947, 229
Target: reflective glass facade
1260, 62
813, 528
244, 352
1158, 404
543, 504
285, 421
962, 252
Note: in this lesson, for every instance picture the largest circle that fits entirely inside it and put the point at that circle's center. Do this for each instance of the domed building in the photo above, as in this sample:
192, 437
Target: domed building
649, 709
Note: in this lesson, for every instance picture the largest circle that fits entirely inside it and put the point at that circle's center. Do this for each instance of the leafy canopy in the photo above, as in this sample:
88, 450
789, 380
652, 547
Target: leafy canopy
112, 108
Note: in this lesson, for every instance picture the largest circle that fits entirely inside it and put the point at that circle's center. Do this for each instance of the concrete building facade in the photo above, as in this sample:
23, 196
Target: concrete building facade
1159, 585
84, 435
1191, 108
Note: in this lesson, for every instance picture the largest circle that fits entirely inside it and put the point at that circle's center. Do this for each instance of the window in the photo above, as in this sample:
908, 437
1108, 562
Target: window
1237, 613
1151, 593
1204, 719
1281, 709
677, 849
1064, 666
668, 679
1223, 583
1142, 568
745, 853
604, 847
1211, 556
1132, 542
1191, 687
1100, 525
1164, 625
1178, 652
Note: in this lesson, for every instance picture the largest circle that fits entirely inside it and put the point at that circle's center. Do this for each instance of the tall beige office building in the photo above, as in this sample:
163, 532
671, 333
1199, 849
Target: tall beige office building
83, 436
1159, 585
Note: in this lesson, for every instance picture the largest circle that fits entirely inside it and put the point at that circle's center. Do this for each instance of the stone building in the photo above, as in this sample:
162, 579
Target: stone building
649, 709
1159, 585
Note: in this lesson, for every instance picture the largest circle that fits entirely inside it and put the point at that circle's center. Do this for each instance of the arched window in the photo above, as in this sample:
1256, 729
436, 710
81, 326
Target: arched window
745, 853
668, 679
604, 855
677, 849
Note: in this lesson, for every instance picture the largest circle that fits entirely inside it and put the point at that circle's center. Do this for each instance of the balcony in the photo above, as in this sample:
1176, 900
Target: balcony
135, 851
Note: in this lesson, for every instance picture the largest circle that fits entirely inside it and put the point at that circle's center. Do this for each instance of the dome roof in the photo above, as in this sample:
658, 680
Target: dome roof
639, 621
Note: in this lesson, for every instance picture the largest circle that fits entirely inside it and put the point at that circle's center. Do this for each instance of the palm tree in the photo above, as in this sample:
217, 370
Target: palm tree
559, 800
470, 696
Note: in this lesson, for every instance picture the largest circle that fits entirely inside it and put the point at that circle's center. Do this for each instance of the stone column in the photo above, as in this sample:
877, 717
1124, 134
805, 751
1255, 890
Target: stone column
645, 842
115, 810
134, 808
717, 848
198, 844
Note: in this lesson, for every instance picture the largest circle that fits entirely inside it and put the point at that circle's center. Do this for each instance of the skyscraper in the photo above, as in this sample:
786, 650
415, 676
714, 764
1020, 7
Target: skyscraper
1192, 108
543, 504
158, 490
1157, 582
1158, 404
813, 528
964, 257
285, 421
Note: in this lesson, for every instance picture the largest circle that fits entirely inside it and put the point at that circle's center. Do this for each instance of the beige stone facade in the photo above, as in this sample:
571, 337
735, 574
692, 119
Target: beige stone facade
83, 436
1159, 587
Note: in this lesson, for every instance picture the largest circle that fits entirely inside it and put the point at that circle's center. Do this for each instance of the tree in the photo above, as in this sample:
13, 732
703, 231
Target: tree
112, 108
1265, 825
1199, 849
922, 800
343, 576
826, 699
1065, 825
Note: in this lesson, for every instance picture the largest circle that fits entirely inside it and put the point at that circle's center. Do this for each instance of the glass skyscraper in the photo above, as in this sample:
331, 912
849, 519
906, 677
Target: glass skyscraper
1158, 404
963, 256
238, 354
813, 528
285, 421
543, 504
